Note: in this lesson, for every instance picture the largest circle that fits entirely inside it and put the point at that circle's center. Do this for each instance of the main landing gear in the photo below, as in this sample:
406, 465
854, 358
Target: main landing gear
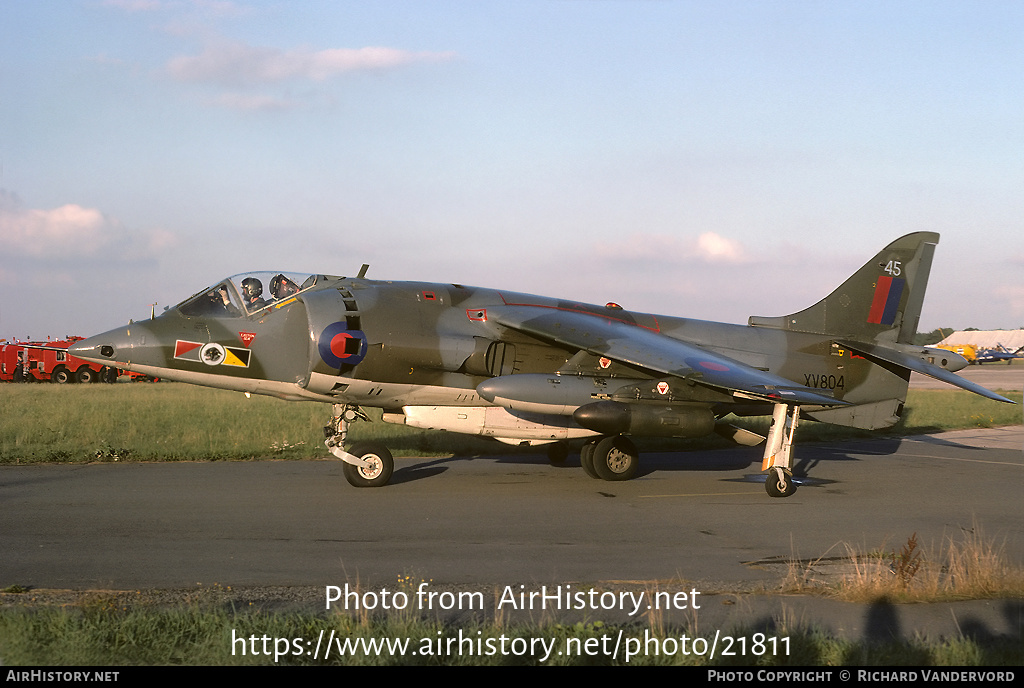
778, 451
367, 464
610, 458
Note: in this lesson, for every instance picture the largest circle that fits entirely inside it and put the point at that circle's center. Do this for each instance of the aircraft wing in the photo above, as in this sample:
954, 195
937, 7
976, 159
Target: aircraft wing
650, 350
919, 365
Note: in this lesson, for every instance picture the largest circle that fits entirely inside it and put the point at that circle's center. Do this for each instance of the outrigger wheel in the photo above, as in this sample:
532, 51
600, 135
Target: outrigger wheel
778, 451
779, 482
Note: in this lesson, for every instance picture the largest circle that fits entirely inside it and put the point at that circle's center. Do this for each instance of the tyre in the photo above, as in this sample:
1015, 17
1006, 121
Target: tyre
85, 374
378, 473
587, 458
60, 375
779, 487
616, 458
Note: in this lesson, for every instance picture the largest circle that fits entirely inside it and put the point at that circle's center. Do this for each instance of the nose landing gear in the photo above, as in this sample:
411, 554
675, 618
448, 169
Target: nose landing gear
367, 464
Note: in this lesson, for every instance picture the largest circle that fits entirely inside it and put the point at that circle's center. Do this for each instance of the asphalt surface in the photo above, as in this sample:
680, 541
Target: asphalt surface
701, 516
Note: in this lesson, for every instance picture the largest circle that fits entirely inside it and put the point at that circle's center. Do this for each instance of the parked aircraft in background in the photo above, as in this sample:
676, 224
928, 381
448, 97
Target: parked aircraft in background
997, 355
529, 369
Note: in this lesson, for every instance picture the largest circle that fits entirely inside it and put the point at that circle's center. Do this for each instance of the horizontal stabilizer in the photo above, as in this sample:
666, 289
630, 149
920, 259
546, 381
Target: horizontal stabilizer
918, 365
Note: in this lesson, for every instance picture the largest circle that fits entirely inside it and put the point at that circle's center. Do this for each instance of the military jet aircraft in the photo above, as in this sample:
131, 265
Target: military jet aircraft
997, 355
529, 369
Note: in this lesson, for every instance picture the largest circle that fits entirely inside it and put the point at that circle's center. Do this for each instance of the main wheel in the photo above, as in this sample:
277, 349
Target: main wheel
378, 473
85, 374
777, 486
616, 458
60, 375
587, 458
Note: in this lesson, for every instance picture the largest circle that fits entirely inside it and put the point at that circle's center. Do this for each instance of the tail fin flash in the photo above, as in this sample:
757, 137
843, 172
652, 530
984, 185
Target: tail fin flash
881, 302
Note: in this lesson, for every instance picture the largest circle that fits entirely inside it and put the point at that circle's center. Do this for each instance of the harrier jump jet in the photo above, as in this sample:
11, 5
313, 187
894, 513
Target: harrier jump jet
529, 369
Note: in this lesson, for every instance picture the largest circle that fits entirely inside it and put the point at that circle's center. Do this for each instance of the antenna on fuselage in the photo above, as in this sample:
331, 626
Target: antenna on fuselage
362, 270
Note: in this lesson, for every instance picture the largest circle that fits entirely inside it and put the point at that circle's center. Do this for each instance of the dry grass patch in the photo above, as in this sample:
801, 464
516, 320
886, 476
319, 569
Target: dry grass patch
967, 565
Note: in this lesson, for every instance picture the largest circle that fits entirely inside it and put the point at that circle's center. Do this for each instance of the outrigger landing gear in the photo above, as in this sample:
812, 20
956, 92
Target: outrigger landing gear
778, 451
368, 464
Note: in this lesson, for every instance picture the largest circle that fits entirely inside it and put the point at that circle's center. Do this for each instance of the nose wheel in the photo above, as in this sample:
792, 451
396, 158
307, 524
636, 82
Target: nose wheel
366, 464
379, 465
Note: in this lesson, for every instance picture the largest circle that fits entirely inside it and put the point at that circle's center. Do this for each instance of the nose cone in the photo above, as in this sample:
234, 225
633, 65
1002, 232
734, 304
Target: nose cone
113, 348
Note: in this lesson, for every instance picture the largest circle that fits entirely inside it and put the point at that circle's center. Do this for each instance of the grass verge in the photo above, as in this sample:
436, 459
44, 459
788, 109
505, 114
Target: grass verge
98, 632
175, 422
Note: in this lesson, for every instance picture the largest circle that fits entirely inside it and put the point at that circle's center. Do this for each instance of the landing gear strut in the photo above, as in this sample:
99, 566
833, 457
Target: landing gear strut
368, 464
778, 451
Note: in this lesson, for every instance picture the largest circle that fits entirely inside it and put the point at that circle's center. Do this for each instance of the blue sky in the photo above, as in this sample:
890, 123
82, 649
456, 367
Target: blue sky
706, 159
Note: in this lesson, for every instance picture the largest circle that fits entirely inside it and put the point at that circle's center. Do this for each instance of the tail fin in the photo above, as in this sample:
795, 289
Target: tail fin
881, 302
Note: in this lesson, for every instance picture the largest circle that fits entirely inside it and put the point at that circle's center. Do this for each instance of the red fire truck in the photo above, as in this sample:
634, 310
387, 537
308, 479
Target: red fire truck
49, 361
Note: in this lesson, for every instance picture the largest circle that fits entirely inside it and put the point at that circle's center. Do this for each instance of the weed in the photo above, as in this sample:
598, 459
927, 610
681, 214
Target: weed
906, 564
967, 567
111, 454
283, 446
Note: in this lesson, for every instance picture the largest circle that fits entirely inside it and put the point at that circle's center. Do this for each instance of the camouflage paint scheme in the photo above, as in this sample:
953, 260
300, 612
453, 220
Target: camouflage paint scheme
523, 368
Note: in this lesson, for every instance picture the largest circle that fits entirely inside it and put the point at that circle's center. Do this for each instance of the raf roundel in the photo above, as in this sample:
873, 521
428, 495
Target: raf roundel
340, 346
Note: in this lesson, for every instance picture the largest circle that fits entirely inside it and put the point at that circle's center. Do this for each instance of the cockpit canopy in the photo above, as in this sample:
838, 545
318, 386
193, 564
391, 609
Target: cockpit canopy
246, 293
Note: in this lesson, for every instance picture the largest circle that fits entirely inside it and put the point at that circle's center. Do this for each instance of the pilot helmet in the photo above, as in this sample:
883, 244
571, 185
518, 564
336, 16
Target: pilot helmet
252, 287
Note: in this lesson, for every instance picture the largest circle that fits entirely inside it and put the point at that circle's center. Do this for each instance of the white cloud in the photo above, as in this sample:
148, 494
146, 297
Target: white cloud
717, 249
33, 232
662, 248
71, 230
237, 64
